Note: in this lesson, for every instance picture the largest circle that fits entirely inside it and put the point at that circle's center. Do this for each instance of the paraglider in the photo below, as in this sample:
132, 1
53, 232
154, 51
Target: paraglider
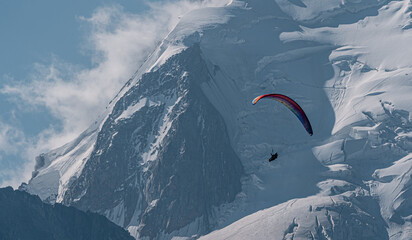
273, 157
292, 105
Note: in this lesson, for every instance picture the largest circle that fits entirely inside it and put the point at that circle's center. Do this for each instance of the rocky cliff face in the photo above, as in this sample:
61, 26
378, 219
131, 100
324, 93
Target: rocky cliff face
24, 216
162, 158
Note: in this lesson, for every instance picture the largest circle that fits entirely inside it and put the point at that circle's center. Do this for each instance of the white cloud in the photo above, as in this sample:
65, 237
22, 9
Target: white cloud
118, 42
11, 139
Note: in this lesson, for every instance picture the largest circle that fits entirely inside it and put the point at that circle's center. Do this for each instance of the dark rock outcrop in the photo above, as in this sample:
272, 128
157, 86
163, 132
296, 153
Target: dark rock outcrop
24, 216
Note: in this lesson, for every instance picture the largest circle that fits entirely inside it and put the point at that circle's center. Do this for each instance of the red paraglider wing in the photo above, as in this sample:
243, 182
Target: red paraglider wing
292, 105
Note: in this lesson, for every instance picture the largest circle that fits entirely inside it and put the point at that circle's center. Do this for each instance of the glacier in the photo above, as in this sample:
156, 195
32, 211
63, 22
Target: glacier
182, 152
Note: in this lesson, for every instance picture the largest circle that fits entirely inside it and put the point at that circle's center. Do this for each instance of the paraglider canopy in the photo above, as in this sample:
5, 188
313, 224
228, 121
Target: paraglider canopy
292, 105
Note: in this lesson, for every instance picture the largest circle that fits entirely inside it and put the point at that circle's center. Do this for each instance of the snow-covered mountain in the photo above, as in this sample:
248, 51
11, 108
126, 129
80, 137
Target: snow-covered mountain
182, 151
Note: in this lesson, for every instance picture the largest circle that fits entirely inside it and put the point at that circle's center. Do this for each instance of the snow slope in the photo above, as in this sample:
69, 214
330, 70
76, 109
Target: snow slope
55, 170
368, 87
346, 63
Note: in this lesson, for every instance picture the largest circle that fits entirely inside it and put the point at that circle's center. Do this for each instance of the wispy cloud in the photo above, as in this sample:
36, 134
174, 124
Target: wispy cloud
117, 43
12, 141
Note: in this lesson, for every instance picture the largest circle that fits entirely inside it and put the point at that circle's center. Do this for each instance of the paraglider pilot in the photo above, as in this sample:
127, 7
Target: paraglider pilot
273, 157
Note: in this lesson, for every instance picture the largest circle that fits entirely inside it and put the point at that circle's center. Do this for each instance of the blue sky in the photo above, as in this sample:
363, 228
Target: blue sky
60, 64
32, 30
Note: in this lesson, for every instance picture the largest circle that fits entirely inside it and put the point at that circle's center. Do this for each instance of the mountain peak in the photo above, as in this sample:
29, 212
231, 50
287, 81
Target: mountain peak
182, 151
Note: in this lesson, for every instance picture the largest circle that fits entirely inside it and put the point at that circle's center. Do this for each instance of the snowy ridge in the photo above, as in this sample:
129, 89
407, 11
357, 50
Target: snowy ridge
186, 32
55, 170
